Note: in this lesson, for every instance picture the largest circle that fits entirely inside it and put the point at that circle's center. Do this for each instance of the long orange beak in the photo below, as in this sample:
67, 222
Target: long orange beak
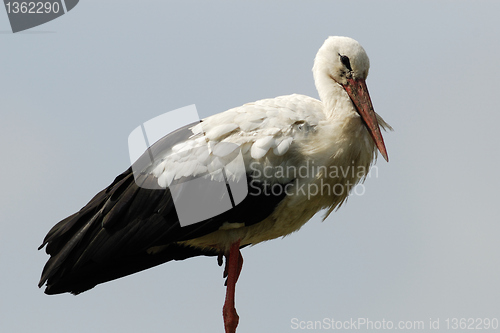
358, 92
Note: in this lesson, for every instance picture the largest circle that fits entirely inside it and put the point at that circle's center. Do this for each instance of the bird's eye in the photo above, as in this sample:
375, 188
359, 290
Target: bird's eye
345, 60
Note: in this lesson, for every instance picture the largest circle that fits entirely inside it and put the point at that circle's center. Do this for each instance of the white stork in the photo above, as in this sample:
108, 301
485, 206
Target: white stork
129, 227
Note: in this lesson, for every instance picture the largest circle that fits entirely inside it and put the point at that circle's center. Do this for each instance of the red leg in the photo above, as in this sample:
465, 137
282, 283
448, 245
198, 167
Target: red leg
234, 262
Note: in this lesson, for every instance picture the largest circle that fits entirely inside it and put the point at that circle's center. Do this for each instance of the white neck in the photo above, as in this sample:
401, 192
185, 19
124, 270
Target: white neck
333, 96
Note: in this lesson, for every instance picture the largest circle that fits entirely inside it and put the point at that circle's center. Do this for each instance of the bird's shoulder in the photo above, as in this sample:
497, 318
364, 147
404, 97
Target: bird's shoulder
264, 115
263, 132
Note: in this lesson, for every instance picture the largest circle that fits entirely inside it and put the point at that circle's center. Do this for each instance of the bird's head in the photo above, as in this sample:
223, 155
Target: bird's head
342, 61
342, 58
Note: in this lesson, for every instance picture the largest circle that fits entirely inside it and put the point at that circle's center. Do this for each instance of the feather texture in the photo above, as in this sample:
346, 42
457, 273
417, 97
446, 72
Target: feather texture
285, 150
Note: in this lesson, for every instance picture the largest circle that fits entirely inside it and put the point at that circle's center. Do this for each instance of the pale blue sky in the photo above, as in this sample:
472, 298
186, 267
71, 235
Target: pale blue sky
422, 242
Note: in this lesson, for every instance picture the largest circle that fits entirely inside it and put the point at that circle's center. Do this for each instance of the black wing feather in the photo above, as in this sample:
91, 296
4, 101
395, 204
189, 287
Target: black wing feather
109, 237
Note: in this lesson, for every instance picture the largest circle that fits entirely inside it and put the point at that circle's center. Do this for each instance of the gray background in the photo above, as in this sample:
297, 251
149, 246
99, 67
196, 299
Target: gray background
422, 242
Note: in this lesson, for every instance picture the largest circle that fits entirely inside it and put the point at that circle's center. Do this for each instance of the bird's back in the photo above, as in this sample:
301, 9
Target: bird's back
128, 227
287, 145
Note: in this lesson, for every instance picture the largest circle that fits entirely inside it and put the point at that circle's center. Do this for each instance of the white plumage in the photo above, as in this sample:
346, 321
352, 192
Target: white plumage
312, 152
284, 134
